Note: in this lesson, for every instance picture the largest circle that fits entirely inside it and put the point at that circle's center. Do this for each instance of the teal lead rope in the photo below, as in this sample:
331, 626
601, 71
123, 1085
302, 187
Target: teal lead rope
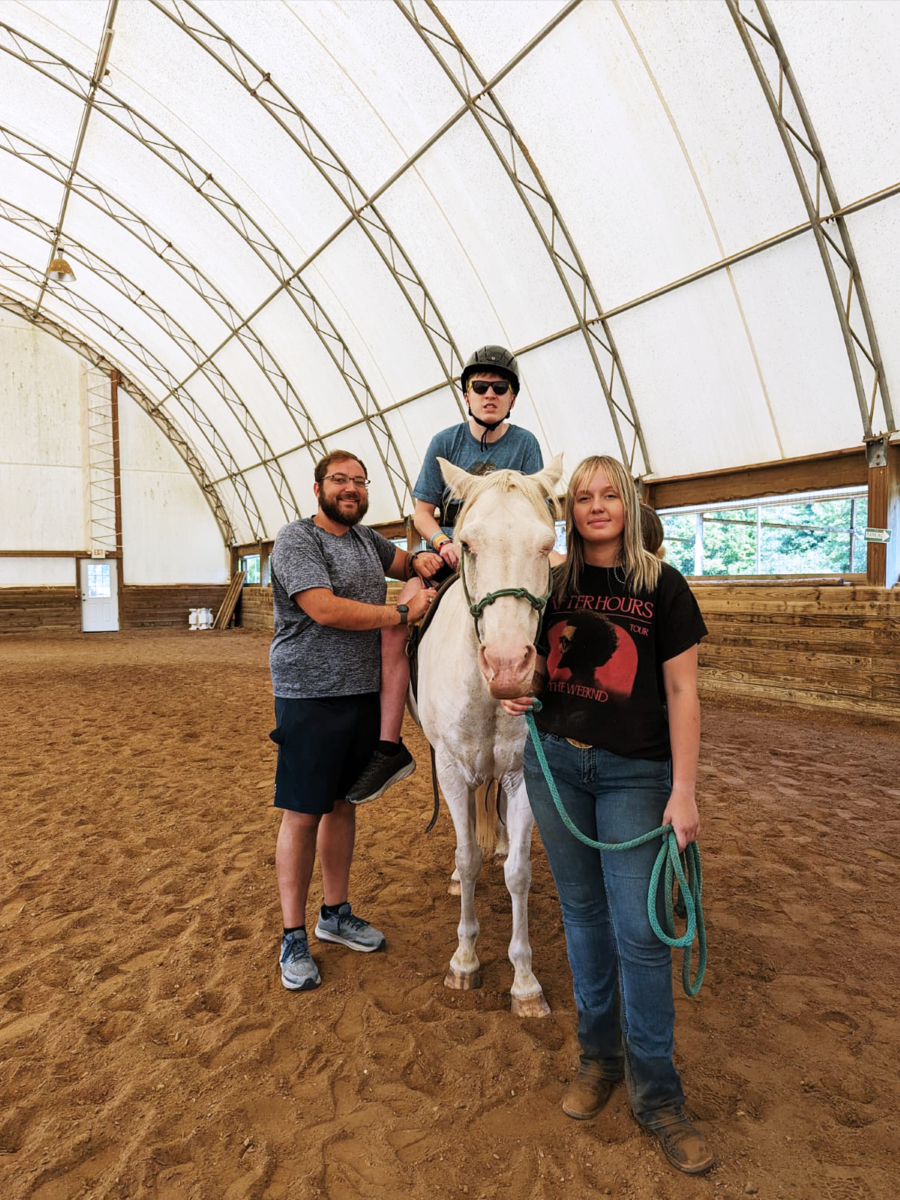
688, 874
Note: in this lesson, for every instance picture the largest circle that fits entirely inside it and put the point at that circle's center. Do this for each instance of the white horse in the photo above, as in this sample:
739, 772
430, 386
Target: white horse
477, 650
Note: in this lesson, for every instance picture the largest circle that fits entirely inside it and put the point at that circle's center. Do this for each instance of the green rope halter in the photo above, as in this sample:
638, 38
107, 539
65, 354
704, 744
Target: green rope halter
476, 608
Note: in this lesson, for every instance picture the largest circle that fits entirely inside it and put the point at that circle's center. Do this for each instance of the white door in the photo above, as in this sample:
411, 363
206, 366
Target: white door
99, 596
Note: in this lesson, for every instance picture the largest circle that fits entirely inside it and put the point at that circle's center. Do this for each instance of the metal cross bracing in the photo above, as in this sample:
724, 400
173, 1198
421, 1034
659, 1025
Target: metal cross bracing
279, 105
125, 217
78, 252
117, 332
101, 461
178, 159
525, 177
99, 67
163, 421
807, 159
119, 335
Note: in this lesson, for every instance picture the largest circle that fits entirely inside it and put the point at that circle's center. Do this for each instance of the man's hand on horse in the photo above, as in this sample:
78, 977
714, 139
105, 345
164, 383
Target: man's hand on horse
449, 555
420, 603
519, 706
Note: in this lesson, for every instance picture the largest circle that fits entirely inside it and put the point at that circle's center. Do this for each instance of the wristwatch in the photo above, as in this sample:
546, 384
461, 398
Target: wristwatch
403, 610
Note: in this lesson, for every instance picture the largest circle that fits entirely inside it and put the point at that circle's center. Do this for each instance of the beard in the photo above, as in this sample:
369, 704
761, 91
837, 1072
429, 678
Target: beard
332, 510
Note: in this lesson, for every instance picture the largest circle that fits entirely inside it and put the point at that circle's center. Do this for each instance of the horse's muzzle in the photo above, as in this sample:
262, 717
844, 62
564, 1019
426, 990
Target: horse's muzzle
508, 672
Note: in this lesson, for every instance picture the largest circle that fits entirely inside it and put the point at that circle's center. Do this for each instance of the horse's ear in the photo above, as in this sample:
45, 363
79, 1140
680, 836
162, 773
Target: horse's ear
551, 474
455, 478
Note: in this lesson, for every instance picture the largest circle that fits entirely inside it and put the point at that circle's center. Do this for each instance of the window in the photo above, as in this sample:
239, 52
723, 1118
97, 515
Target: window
809, 533
99, 582
250, 564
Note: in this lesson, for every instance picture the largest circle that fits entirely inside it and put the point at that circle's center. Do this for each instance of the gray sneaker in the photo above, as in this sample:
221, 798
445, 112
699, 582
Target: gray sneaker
347, 930
298, 971
381, 772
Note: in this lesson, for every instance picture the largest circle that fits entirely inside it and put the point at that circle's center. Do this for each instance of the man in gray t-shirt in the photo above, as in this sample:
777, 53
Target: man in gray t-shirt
328, 590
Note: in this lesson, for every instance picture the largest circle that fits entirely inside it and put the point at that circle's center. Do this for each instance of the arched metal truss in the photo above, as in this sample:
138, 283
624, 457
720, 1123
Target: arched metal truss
858, 336
140, 298
126, 218
525, 177
162, 420
310, 142
104, 101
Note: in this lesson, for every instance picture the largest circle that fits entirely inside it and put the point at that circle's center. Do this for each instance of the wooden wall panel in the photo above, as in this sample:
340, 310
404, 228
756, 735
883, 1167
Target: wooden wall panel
255, 608
828, 646
163, 606
48, 609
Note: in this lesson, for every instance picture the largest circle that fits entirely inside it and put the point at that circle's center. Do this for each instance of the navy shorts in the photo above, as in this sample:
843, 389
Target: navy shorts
323, 746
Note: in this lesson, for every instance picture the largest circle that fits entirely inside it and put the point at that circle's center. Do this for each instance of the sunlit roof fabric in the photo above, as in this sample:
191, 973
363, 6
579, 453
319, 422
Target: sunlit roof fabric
290, 223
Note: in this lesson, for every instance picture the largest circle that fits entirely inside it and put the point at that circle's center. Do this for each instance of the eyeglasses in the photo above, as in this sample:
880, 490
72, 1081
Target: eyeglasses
480, 386
341, 480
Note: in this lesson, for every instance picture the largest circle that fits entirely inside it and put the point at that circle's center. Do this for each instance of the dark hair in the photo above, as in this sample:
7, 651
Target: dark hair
334, 456
652, 530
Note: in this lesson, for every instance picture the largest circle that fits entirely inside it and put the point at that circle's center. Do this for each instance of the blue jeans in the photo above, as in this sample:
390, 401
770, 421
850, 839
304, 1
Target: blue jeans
621, 972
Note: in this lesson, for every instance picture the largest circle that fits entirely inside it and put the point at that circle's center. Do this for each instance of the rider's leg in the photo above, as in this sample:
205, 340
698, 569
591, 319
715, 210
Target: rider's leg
390, 761
395, 672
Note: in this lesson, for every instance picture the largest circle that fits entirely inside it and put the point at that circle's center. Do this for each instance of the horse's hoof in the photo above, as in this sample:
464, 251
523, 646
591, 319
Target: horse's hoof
453, 888
530, 1006
463, 983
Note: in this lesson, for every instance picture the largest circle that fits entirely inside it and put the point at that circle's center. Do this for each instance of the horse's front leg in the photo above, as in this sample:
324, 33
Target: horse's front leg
527, 994
464, 970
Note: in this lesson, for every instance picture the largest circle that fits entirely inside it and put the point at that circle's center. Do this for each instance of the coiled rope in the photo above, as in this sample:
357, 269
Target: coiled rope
684, 868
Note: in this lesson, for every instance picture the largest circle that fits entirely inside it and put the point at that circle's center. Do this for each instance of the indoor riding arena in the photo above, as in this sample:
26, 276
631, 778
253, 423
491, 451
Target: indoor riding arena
236, 235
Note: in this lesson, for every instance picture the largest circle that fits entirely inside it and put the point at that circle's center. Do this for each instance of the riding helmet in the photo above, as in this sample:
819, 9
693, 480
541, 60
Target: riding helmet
492, 358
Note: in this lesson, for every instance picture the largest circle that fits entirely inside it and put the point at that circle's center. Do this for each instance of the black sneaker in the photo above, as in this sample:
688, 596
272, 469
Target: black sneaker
381, 772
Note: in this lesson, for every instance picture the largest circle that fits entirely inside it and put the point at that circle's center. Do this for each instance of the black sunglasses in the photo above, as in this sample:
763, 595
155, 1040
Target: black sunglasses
480, 386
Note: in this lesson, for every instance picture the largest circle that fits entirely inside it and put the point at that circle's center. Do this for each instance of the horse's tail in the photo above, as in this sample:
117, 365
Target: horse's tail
486, 795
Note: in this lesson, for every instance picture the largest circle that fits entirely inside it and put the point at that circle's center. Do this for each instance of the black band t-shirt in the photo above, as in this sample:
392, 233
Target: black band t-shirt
605, 648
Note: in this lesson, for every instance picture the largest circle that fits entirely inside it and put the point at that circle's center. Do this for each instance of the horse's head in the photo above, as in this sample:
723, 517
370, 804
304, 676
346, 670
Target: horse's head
504, 535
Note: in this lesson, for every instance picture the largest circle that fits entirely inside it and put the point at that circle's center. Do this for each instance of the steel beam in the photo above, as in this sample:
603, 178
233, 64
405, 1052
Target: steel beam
99, 69
804, 147
504, 139
127, 219
143, 301
163, 421
176, 157
362, 211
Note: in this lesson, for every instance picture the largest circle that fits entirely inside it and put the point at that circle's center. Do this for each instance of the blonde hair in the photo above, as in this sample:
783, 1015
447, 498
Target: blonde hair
642, 569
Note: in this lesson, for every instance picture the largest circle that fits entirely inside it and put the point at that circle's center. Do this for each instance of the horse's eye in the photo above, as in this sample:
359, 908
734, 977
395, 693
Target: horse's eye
465, 546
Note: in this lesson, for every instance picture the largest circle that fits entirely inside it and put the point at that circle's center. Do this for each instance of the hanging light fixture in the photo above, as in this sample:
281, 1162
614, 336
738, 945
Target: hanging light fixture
59, 270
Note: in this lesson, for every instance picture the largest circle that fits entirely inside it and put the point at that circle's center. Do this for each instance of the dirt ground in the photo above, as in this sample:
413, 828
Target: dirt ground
148, 1049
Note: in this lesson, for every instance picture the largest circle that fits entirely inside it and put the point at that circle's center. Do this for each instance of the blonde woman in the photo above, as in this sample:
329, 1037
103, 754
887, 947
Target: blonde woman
620, 728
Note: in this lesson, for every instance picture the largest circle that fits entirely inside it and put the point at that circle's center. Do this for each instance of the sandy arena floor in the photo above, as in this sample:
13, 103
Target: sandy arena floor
148, 1049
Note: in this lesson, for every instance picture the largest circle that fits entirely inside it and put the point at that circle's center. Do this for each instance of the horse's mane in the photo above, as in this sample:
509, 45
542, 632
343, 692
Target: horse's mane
539, 495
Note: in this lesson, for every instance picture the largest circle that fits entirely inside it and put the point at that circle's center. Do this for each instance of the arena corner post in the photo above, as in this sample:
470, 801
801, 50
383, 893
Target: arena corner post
883, 558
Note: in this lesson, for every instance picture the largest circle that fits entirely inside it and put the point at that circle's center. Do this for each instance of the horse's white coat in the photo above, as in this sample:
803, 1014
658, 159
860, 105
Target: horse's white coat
474, 740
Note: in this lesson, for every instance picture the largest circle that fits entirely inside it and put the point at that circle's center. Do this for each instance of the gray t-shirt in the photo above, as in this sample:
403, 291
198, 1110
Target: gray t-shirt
517, 450
306, 659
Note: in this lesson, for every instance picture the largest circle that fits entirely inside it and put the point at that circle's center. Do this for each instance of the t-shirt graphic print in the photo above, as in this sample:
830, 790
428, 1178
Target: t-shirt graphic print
605, 649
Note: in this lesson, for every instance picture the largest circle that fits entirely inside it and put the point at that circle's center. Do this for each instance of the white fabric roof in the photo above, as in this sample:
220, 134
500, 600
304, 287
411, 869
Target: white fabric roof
291, 221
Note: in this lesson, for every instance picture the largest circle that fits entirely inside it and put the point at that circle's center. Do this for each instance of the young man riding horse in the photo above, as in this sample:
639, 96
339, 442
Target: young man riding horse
484, 442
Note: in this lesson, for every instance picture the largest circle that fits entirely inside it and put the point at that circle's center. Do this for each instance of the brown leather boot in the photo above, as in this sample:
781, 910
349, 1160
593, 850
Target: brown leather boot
681, 1141
587, 1093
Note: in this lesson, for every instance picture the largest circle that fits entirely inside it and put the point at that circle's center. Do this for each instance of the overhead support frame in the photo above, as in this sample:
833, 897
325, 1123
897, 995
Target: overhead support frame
162, 420
859, 338
182, 162
313, 146
546, 217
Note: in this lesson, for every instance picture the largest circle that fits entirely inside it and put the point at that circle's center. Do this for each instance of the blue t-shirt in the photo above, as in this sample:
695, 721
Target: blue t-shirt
517, 450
